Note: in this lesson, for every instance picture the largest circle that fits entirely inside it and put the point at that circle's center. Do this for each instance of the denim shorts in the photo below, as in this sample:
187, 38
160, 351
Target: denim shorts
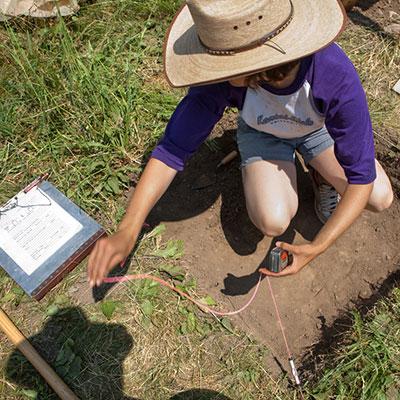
255, 145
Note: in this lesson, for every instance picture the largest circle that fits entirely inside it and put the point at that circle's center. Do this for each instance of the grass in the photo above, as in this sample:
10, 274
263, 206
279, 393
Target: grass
377, 60
366, 366
77, 104
83, 98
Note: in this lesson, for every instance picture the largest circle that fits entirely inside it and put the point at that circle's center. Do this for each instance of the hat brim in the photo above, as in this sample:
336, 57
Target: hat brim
315, 24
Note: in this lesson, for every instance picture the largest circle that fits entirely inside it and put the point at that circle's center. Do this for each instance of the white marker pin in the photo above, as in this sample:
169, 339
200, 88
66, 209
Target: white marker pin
396, 87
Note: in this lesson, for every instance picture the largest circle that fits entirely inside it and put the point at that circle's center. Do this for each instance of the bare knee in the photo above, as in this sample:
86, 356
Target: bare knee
381, 200
272, 226
382, 193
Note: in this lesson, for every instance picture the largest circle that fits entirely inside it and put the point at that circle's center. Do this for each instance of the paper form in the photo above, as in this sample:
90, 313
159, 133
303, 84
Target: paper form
33, 227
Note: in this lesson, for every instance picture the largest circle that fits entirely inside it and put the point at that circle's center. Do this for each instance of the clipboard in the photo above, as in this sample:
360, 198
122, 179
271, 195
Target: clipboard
44, 236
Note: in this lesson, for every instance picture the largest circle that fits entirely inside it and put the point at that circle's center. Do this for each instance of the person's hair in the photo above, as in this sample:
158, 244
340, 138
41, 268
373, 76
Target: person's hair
274, 74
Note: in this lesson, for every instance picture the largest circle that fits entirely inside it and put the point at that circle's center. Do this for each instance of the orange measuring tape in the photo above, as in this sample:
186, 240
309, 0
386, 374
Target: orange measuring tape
162, 282
203, 307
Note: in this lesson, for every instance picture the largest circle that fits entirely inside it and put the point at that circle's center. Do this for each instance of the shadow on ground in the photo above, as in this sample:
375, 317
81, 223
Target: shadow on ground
332, 334
88, 356
199, 394
358, 16
199, 186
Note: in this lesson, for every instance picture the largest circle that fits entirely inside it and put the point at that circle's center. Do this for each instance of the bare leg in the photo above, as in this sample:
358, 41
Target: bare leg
271, 195
330, 169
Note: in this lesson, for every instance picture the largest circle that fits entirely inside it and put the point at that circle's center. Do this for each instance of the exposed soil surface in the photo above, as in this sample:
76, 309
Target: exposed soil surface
223, 250
376, 14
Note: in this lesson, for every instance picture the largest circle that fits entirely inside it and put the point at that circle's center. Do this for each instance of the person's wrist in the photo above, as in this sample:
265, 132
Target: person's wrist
129, 229
128, 235
317, 247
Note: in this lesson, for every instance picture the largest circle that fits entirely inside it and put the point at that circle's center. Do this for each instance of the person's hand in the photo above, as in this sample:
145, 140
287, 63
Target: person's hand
106, 254
302, 255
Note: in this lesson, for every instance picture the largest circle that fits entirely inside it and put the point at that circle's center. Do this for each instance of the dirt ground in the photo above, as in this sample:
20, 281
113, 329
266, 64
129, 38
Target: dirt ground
223, 250
376, 13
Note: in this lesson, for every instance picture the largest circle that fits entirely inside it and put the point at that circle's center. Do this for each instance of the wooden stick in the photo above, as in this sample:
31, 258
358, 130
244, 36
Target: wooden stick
227, 159
44, 369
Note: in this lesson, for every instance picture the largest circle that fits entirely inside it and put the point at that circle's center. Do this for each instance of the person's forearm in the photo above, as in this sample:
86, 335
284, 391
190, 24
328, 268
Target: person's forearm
152, 184
353, 202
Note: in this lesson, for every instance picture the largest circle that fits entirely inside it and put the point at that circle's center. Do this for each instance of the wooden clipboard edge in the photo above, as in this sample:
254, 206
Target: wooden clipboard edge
68, 265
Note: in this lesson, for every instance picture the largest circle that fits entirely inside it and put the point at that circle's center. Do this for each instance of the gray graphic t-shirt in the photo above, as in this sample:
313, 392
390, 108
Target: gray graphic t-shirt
287, 117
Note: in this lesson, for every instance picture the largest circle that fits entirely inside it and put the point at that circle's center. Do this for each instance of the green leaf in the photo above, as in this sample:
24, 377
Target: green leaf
65, 356
15, 296
183, 330
123, 177
8, 297
204, 328
199, 329
60, 359
183, 310
174, 272
147, 308
30, 394
113, 183
52, 310
191, 322
190, 284
146, 322
4, 280
98, 188
108, 308
18, 291
208, 300
157, 231
182, 288
148, 289
226, 323
75, 367
174, 249
96, 165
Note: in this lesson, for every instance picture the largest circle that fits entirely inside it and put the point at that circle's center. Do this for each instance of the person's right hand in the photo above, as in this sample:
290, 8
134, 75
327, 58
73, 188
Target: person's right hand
106, 254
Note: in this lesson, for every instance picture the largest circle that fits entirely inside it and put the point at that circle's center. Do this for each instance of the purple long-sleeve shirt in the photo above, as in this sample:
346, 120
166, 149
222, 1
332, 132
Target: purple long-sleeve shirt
337, 94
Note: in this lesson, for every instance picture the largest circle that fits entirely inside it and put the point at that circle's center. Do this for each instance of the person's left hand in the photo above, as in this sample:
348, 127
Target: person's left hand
302, 255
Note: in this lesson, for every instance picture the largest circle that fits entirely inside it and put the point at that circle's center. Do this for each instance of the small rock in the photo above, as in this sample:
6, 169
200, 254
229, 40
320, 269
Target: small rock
393, 29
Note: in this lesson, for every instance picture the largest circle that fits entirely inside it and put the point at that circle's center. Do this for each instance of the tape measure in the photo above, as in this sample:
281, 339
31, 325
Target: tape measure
278, 260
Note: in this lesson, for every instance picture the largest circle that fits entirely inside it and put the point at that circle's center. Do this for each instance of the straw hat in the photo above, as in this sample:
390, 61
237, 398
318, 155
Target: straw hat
213, 40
